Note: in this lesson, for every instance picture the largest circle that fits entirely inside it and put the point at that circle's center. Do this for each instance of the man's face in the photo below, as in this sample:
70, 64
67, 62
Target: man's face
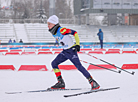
50, 25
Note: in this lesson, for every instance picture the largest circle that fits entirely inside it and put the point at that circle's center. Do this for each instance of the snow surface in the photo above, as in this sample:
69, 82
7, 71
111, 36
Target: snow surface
12, 81
24, 81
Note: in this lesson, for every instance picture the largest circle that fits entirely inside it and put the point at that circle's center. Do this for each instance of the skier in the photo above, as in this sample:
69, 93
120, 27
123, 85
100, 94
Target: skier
70, 50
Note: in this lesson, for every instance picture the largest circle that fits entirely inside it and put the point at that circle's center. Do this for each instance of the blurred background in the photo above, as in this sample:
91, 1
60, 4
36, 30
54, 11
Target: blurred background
93, 12
27, 19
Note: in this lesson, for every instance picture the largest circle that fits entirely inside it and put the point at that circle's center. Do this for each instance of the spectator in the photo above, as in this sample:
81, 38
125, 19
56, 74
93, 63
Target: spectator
14, 41
56, 43
20, 41
0, 41
10, 41
100, 34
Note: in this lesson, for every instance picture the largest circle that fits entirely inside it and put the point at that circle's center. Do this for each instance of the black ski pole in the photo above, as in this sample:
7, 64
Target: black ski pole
101, 67
110, 64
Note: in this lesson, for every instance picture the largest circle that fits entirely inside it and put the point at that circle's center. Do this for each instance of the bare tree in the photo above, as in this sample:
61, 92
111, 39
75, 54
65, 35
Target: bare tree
21, 9
62, 9
29, 8
46, 7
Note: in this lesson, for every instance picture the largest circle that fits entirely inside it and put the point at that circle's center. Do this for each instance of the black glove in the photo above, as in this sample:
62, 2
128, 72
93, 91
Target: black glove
77, 48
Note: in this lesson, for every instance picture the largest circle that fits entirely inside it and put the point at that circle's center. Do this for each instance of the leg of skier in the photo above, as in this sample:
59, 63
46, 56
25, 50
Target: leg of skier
59, 59
73, 57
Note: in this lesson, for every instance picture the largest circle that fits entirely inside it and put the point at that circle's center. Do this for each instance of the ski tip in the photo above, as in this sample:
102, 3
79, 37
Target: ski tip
12, 92
117, 87
133, 73
119, 71
66, 96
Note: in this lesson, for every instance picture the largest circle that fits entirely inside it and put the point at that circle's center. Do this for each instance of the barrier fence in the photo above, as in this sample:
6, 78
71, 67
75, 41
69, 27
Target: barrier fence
63, 67
48, 49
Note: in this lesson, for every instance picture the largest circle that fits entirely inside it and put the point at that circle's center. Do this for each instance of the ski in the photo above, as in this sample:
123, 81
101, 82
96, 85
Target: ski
91, 91
47, 90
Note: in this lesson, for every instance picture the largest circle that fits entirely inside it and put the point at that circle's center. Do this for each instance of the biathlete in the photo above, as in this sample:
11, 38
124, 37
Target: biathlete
70, 50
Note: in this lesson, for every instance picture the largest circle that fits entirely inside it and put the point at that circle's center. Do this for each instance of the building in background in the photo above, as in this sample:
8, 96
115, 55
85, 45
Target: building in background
115, 11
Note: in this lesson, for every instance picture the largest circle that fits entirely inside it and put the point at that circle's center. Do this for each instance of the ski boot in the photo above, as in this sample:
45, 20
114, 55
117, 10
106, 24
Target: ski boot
93, 83
59, 85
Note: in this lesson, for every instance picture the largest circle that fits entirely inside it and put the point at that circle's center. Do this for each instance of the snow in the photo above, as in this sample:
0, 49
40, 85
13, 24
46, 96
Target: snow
12, 81
24, 81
